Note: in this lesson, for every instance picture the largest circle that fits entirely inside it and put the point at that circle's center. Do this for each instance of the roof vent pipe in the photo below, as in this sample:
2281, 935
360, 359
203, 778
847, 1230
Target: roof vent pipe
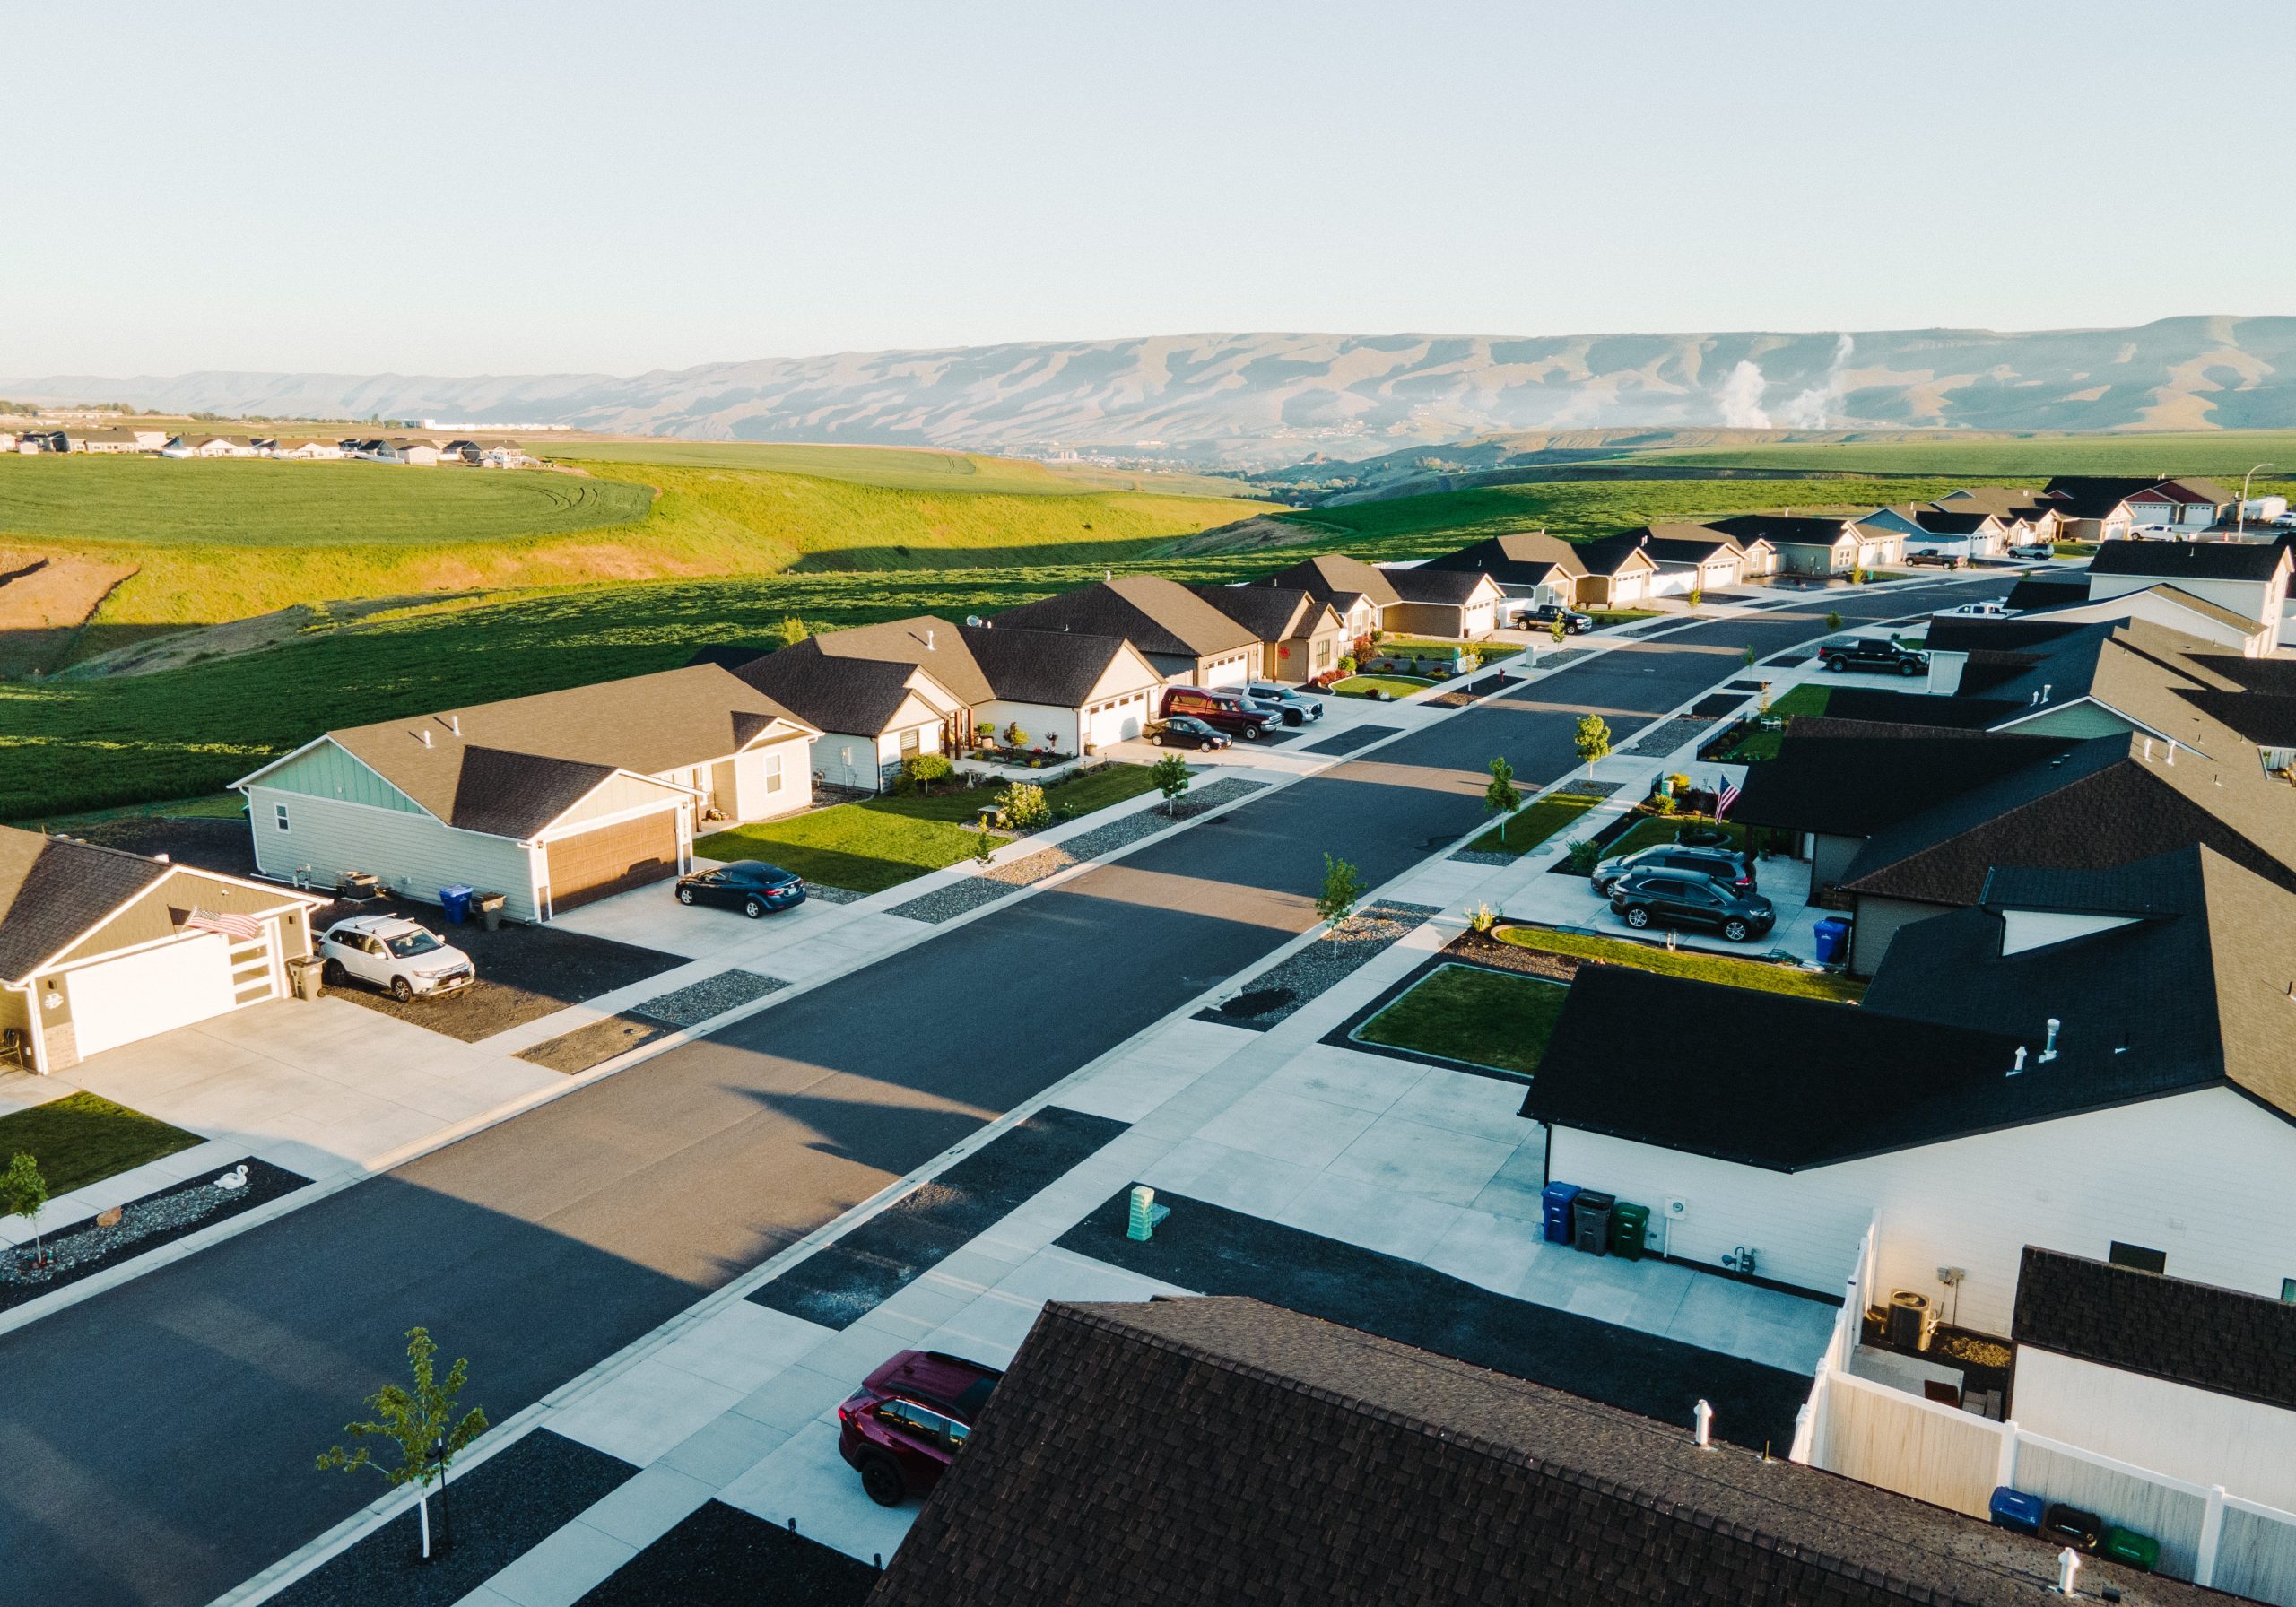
2068, 1571
2172, 750
2148, 750
2019, 1064
2049, 1049
928, 641
1703, 1421
425, 735
2047, 687
455, 723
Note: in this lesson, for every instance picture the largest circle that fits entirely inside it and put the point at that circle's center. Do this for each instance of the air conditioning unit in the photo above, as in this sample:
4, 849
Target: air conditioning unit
1909, 1320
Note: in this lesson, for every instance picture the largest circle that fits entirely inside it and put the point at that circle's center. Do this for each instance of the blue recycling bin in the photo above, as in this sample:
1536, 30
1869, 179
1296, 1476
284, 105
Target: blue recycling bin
456, 902
2016, 1509
1555, 1200
1834, 940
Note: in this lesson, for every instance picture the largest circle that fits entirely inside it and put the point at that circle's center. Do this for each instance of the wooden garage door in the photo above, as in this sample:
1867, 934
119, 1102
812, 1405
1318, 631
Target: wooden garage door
612, 859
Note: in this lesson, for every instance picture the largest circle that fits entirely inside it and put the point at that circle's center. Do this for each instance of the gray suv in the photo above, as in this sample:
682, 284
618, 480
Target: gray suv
1725, 867
1295, 705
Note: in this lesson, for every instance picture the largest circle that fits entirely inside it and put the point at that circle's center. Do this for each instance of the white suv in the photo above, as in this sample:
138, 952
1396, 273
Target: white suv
386, 952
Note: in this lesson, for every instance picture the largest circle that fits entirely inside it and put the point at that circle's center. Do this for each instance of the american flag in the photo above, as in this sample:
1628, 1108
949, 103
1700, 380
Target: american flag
1729, 796
229, 926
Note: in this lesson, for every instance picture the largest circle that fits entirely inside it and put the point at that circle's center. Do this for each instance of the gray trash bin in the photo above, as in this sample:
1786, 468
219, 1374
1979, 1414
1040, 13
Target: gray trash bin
307, 976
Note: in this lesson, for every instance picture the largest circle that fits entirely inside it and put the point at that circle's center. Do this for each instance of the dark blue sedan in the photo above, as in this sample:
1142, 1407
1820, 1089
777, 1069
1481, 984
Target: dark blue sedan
749, 885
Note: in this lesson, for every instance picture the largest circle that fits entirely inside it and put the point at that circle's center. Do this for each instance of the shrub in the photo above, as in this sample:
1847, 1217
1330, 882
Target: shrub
1347, 662
1024, 806
1681, 781
1482, 918
1833, 620
1697, 595
1014, 737
920, 770
1583, 854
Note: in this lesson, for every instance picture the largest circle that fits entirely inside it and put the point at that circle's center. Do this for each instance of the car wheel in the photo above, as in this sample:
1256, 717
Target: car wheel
1638, 918
1908, 669
685, 895
752, 909
332, 974
1252, 736
402, 990
880, 1477
1837, 664
1158, 741
1736, 930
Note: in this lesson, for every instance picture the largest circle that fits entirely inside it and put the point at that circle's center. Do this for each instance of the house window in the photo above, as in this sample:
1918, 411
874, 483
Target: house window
909, 740
2137, 1258
279, 815
1322, 655
773, 772
2288, 1292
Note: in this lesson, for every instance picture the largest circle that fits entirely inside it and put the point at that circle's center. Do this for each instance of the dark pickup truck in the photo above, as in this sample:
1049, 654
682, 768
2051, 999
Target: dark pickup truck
1877, 654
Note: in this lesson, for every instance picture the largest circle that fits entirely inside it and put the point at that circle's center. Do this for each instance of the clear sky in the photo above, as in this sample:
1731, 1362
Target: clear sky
497, 189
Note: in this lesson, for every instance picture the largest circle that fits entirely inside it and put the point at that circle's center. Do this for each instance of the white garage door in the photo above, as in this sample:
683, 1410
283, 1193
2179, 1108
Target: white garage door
134, 996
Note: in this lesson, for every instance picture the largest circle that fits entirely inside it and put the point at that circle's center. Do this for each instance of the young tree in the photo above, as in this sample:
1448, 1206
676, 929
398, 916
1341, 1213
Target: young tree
1833, 620
23, 1193
421, 1423
1697, 595
1503, 798
791, 630
1747, 658
1558, 630
1593, 743
984, 848
1342, 888
1014, 737
1171, 776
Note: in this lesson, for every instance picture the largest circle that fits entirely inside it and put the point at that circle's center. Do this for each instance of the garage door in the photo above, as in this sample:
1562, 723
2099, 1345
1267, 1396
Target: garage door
137, 996
612, 859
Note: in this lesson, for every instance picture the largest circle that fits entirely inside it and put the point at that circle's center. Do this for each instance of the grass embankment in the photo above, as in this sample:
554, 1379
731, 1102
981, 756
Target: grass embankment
1683, 962
882, 842
1809, 698
1522, 832
1462, 1012
83, 1138
1390, 686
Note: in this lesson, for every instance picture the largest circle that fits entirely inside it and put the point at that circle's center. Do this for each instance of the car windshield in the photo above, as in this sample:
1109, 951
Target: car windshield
405, 945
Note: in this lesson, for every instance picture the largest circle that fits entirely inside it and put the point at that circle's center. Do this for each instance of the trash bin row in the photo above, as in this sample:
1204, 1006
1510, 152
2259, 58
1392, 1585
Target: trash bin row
1595, 1223
460, 902
2083, 1531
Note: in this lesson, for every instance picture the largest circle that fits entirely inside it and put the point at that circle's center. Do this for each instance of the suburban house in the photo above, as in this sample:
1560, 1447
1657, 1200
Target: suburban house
99, 948
1189, 642
1529, 564
112, 439
397, 448
1810, 546
880, 694
1415, 599
307, 448
1271, 1456
1300, 633
553, 801
1959, 532
196, 444
2062, 601
2082, 1059
2188, 504
1683, 557
2246, 578
1358, 593
2095, 507
2024, 515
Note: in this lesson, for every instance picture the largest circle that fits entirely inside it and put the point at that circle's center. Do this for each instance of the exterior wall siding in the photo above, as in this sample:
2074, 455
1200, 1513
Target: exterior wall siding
1043, 722
2075, 1185
324, 840
620, 794
326, 771
1878, 920
2247, 1447
2080, 720
151, 919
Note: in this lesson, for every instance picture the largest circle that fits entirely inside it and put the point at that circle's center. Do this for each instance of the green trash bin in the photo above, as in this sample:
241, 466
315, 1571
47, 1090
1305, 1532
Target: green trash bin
2127, 1545
1630, 1229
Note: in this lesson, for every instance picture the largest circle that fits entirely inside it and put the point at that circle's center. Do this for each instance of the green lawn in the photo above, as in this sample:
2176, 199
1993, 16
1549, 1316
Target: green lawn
882, 842
1809, 698
1653, 829
1532, 827
1463, 1013
1395, 686
82, 1139
1606, 617
1684, 962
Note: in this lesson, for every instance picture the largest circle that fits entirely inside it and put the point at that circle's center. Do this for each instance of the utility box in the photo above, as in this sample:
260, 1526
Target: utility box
1590, 1219
1630, 1229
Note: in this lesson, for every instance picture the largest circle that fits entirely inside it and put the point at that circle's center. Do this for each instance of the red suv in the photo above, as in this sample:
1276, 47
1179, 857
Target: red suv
908, 1420
1222, 710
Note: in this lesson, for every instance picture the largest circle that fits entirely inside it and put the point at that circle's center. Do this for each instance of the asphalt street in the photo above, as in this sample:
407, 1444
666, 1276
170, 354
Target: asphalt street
160, 1437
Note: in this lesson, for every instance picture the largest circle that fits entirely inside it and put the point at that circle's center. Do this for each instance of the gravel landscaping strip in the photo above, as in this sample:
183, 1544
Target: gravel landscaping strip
1347, 742
1277, 993
600, 1041
501, 1509
712, 996
998, 881
822, 892
1472, 856
144, 1224
1664, 737
1215, 1251
723, 1556
847, 1278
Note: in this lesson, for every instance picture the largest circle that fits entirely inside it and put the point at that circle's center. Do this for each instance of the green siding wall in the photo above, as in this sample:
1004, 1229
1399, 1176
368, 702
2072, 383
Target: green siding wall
2075, 720
326, 771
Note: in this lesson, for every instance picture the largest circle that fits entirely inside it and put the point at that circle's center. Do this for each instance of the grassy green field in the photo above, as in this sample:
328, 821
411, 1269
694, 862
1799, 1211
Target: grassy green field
1463, 1013
2218, 453
899, 468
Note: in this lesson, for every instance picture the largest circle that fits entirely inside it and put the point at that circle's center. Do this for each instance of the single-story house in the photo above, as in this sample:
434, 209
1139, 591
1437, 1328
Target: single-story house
2094, 508
1807, 545
196, 444
1529, 564
1462, 605
873, 713
100, 947
2185, 504
1359, 593
2184, 1378
1621, 573
307, 448
2065, 602
111, 439
1683, 557
1190, 642
553, 801
2082, 1059
1300, 634
1271, 1456
2247, 578
2024, 514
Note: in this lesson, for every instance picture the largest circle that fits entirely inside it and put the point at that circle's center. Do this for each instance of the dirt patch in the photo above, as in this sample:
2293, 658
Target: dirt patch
45, 600
1245, 535
594, 1044
177, 649
206, 843
1506, 957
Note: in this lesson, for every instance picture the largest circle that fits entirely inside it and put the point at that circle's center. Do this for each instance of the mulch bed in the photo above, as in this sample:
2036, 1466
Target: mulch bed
723, 1556
1506, 957
156, 1219
596, 1043
212, 843
500, 1509
1279, 992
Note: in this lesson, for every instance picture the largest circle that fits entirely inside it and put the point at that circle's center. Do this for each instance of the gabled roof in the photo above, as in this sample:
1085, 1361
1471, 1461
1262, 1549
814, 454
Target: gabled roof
1272, 614
2195, 1335
859, 696
2003, 501
2047, 591
1855, 779
1939, 521
2092, 496
927, 640
1519, 558
1060, 668
1618, 554
1690, 544
2189, 561
1156, 615
527, 753
1333, 575
2189, 490
1779, 530
1949, 634
1269, 1457
1455, 588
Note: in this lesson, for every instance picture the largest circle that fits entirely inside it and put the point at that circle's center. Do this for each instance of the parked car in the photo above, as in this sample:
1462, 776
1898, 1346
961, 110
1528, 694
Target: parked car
1669, 898
1222, 708
1875, 653
1727, 867
1545, 615
1938, 561
1184, 730
908, 1420
1987, 610
1296, 706
2033, 550
751, 886
407, 960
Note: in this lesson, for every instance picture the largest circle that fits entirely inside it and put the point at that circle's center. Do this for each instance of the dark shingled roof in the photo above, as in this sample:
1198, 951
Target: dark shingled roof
1334, 575
2193, 1333
1451, 588
1914, 708
52, 891
2092, 496
1058, 668
1270, 612
1851, 780
2189, 560
1610, 553
1965, 635
834, 693
1156, 615
2046, 591
1779, 530
1519, 558
518, 795
1208, 1451
1939, 521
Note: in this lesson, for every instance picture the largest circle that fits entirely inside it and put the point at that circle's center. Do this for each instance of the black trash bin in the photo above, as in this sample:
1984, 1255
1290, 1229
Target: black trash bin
1590, 1218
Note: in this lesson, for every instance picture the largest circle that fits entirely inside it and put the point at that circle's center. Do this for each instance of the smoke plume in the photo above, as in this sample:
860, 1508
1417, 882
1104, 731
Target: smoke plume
1814, 409
1739, 398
